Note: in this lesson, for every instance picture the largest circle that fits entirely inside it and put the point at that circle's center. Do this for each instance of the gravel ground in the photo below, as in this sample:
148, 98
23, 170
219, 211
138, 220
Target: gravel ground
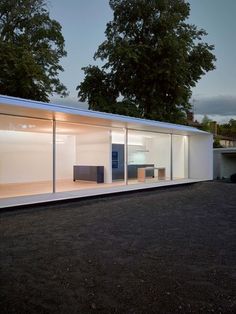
162, 251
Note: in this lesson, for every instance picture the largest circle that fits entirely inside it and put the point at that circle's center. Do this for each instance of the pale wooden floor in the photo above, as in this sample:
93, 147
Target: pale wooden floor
32, 188
9, 202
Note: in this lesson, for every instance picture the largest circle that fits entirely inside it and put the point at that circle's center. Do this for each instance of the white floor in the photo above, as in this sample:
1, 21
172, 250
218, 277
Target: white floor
51, 197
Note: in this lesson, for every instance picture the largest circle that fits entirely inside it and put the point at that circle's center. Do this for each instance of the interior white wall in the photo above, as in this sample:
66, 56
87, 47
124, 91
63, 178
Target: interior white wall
136, 156
25, 157
149, 148
186, 156
159, 151
201, 157
93, 148
180, 156
65, 156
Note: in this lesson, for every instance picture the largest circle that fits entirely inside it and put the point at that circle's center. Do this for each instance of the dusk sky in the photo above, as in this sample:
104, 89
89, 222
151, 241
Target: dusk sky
84, 22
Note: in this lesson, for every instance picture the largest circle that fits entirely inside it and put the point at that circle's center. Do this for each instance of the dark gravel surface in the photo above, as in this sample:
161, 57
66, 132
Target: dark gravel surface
163, 251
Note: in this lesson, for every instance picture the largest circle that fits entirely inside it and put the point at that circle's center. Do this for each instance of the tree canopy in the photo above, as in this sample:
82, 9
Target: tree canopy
31, 45
228, 129
152, 58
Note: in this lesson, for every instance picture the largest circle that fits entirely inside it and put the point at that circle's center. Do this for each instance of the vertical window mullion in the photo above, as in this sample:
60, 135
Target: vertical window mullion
126, 157
54, 156
171, 156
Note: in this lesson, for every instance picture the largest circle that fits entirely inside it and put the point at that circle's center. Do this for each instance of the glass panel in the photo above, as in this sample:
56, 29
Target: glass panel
84, 157
148, 157
180, 156
25, 156
118, 156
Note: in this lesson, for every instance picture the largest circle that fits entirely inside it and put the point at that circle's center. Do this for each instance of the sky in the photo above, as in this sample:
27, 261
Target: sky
83, 25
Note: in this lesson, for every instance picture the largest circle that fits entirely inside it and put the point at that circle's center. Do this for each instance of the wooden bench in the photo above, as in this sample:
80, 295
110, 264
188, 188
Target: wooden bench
142, 173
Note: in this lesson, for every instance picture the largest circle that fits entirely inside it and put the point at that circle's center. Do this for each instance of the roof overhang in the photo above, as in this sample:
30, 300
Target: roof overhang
35, 109
229, 151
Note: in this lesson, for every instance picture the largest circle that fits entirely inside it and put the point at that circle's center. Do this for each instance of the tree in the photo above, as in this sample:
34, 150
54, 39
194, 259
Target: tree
101, 94
216, 143
228, 129
152, 58
31, 45
98, 90
206, 123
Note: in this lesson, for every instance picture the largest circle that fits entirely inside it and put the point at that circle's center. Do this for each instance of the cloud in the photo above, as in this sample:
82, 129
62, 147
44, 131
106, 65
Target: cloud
217, 105
69, 102
218, 118
217, 108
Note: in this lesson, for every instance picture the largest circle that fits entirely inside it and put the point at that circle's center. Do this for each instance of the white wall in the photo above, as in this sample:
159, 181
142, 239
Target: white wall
180, 156
217, 164
156, 149
65, 156
93, 148
201, 157
135, 155
25, 157
159, 151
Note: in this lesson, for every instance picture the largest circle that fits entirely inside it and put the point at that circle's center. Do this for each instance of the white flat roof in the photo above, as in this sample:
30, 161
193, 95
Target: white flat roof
30, 108
227, 150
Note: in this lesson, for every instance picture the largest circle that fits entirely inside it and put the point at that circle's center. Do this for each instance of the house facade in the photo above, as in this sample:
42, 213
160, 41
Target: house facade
53, 150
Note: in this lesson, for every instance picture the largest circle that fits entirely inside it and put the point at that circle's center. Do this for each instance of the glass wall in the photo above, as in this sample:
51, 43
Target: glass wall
25, 156
85, 156
88, 156
118, 155
180, 156
149, 156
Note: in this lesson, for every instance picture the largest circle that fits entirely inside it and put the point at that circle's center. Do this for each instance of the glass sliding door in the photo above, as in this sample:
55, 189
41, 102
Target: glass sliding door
25, 156
118, 156
180, 156
149, 157
83, 156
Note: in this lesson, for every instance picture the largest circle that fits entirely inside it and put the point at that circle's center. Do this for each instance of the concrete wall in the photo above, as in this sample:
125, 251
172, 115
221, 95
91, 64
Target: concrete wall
201, 157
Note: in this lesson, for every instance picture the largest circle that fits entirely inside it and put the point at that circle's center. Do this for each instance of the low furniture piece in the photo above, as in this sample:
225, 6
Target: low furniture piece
88, 173
142, 173
133, 170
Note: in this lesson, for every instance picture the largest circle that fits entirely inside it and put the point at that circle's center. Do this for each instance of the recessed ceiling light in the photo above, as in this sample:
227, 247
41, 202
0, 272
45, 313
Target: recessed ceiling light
30, 126
26, 126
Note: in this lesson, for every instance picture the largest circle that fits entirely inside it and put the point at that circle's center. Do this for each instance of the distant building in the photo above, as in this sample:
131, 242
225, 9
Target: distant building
227, 141
224, 162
